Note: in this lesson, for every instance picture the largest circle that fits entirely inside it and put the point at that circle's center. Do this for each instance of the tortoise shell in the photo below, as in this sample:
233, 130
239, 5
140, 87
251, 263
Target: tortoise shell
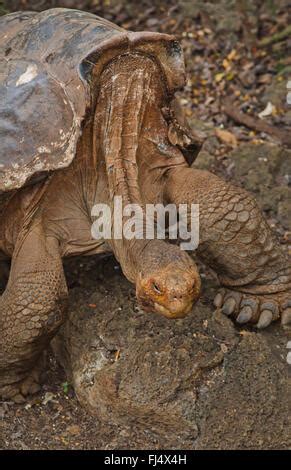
50, 64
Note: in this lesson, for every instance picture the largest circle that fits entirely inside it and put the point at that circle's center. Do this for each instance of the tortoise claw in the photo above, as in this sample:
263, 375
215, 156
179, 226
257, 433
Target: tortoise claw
245, 315
286, 317
229, 306
218, 300
258, 310
265, 319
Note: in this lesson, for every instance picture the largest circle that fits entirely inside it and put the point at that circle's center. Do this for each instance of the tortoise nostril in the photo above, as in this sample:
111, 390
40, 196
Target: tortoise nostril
177, 297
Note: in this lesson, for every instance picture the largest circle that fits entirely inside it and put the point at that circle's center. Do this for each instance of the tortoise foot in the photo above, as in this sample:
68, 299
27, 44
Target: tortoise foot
258, 310
20, 391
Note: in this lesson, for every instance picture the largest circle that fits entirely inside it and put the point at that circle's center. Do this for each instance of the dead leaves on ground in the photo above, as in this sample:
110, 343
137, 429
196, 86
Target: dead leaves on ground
226, 137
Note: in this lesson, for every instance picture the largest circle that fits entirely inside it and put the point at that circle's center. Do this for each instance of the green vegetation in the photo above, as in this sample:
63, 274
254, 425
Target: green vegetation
66, 387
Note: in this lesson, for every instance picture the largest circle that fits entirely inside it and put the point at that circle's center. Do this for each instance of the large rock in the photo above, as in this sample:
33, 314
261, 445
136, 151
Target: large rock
196, 383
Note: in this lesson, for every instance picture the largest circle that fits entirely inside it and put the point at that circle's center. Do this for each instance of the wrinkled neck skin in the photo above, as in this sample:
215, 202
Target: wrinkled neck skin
132, 154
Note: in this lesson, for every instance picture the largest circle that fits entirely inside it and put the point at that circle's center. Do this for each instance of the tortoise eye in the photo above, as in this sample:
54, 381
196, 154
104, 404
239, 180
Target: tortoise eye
156, 288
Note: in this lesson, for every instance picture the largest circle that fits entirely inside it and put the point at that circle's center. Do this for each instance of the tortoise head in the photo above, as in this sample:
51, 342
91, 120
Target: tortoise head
169, 282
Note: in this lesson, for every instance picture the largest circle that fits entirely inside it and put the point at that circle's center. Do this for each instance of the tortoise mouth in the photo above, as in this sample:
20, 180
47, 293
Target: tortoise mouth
170, 311
173, 313
171, 293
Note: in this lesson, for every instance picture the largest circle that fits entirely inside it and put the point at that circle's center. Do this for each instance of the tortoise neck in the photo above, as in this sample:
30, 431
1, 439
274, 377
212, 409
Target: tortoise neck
127, 87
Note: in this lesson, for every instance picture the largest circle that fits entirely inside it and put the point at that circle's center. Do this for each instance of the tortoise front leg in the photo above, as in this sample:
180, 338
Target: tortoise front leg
32, 309
237, 242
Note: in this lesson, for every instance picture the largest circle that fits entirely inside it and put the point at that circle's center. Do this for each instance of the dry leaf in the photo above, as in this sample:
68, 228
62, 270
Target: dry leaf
226, 64
232, 54
269, 109
265, 78
219, 77
226, 137
117, 355
49, 397
245, 333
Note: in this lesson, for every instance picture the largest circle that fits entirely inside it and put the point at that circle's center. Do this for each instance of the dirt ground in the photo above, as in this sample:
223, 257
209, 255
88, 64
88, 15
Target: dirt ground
246, 406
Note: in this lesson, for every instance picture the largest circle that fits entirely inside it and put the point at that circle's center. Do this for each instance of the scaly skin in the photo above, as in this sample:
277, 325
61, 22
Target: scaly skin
125, 151
32, 307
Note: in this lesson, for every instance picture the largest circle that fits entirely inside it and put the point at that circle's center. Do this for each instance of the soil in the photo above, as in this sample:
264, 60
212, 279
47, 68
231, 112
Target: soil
198, 383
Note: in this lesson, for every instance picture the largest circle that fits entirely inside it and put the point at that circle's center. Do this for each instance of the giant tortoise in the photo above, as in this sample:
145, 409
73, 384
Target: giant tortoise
87, 114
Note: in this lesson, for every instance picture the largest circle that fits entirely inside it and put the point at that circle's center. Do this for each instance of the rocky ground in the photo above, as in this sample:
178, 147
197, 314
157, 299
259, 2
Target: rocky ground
200, 382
